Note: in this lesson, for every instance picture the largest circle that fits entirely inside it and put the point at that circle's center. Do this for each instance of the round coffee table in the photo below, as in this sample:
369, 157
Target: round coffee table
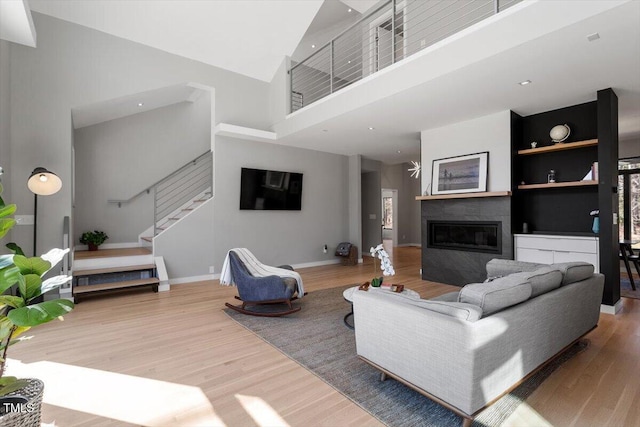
348, 296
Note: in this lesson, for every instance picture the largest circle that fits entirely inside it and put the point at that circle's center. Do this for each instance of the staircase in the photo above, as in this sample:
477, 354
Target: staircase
115, 269
164, 223
174, 198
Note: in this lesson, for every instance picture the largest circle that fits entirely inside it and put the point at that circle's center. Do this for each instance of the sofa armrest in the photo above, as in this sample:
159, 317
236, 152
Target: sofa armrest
448, 297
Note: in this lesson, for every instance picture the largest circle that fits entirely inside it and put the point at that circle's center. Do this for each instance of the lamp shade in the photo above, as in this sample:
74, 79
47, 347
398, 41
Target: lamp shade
43, 182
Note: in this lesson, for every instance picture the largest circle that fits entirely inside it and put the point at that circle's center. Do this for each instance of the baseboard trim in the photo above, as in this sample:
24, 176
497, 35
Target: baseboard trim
316, 263
403, 245
190, 279
611, 309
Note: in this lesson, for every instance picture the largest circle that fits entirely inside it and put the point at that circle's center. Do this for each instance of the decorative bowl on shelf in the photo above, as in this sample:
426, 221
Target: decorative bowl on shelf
560, 133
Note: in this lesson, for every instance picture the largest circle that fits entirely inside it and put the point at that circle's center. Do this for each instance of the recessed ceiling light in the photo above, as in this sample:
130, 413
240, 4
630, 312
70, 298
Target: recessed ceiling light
398, 151
371, 128
524, 83
593, 37
349, 10
313, 46
140, 104
348, 62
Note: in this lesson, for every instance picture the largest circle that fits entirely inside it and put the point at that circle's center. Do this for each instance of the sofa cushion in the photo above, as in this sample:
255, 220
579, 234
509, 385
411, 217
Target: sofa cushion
542, 280
573, 271
496, 295
455, 309
502, 267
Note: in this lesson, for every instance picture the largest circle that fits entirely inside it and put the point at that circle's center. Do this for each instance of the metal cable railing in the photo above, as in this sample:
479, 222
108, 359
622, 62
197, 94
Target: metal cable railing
179, 188
391, 32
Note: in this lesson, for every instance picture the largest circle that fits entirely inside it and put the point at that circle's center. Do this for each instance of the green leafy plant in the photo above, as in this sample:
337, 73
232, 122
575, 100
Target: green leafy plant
95, 238
21, 285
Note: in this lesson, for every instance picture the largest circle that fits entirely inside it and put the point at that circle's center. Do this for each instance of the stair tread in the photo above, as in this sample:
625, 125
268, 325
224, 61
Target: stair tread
148, 239
115, 285
113, 269
105, 253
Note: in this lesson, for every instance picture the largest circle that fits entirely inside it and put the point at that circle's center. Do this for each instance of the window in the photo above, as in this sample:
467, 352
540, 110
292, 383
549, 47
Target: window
629, 199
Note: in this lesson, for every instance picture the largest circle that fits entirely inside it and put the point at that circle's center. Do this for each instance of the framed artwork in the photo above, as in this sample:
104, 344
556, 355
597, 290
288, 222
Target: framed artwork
460, 174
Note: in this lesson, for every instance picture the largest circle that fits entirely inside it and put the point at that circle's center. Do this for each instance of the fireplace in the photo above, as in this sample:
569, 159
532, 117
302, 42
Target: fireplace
473, 236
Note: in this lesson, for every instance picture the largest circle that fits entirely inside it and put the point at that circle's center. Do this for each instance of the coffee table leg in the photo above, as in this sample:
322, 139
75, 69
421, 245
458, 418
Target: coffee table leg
349, 315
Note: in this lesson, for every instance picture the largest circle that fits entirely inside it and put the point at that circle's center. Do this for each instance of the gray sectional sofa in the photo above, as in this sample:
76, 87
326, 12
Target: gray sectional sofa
466, 349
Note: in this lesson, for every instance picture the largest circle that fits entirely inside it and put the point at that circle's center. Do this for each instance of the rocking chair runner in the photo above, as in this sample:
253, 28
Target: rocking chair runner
261, 290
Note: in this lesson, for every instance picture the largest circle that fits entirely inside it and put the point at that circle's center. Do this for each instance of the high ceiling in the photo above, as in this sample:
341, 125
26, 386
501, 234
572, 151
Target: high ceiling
249, 37
252, 37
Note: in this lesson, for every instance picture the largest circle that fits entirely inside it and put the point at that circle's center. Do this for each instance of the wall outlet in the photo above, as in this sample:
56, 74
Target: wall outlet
423, 43
324, 249
211, 269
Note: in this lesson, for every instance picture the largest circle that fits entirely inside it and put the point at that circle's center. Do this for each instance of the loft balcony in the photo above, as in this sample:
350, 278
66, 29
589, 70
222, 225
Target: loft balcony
389, 33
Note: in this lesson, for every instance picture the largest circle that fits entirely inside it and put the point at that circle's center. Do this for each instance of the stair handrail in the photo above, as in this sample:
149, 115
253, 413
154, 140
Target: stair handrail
148, 189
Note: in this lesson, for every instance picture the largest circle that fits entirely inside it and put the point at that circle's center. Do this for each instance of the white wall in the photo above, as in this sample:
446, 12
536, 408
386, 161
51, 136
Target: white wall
280, 237
490, 133
74, 66
629, 148
398, 177
186, 246
117, 159
355, 201
5, 121
371, 210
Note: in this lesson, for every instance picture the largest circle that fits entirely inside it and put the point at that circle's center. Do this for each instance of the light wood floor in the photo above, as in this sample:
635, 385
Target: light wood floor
175, 358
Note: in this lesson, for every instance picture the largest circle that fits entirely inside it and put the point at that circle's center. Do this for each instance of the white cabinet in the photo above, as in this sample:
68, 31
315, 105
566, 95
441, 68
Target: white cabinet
550, 249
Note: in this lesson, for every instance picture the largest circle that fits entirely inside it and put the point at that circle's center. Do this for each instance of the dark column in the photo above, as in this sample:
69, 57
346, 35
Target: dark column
608, 193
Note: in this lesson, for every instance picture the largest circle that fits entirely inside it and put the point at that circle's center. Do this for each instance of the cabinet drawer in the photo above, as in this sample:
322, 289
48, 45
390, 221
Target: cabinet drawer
534, 255
568, 244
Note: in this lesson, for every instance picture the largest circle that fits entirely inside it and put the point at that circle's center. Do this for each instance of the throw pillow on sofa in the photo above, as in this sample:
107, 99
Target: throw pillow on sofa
542, 280
499, 267
496, 295
574, 271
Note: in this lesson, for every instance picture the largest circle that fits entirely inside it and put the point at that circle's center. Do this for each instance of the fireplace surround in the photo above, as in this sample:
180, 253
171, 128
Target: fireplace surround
461, 265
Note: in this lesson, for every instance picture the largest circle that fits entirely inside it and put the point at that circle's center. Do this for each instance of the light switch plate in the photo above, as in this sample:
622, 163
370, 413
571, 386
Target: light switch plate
372, 216
24, 219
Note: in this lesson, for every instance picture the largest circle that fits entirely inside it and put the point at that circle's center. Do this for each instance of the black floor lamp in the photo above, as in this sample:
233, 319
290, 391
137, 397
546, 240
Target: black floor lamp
41, 183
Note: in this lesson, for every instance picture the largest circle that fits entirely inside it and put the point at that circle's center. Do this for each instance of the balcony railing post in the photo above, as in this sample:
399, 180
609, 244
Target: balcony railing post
331, 67
393, 31
291, 90
155, 208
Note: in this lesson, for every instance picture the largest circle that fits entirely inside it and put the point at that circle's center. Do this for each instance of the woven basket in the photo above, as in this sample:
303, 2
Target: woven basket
30, 417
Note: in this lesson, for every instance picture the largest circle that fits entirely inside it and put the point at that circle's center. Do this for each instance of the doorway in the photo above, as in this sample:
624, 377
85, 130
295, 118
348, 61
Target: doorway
390, 217
381, 40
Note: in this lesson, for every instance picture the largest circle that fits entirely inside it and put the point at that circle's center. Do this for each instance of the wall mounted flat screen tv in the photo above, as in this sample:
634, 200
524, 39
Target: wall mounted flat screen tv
270, 190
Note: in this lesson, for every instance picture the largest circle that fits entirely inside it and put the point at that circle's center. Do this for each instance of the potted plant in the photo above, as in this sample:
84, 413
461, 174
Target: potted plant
93, 239
385, 264
21, 285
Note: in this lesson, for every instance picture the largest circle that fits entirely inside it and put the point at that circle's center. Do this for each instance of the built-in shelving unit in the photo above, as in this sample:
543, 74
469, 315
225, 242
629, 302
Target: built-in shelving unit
563, 207
557, 185
465, 195
561, 146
